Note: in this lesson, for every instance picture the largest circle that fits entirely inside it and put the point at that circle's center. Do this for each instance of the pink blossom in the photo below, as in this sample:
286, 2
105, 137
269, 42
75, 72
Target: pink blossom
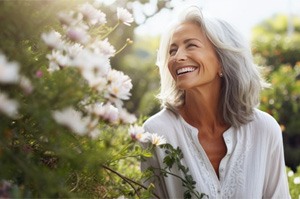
39, 73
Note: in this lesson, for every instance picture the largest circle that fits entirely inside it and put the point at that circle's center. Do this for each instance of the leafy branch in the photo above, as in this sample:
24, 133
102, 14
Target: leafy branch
174, 156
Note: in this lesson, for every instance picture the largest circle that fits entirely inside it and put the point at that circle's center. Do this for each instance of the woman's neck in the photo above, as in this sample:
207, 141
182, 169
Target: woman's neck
202, 110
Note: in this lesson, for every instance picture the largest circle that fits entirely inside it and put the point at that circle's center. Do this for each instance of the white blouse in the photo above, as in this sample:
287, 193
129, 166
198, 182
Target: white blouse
253, 167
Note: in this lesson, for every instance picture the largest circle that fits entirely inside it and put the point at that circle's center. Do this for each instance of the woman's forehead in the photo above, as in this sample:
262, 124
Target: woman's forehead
186, 31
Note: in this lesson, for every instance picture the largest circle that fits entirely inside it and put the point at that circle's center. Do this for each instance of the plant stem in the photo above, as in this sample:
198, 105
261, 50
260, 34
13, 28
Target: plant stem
104, 36
128, 41
128, 180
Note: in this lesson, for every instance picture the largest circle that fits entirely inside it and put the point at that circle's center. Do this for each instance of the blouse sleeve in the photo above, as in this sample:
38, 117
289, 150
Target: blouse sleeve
276, 183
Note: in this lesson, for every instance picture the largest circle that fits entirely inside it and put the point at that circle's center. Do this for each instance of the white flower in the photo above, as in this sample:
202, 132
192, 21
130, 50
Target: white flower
93, 16
103, 47
72, 119
95, 133
122, 197
57, 60
53, 39
297, 180
94, 80
138, 133
9, 71
92, 62
108, 112
290, 173
8, 106
66, 18
125, 16
157, 140
26, 85
119, 86
78, 34
73, 50
53, 66
126, 117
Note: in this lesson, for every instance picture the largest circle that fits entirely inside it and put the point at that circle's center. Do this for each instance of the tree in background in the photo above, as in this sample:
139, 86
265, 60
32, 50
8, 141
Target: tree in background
272, 41
279, 51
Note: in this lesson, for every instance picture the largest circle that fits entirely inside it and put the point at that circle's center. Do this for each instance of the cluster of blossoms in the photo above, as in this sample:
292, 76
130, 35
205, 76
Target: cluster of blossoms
138, 133
10, 75
79, 47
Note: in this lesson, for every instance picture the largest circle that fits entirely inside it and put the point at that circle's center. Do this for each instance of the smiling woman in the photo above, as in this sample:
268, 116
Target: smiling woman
210, 89
193, 60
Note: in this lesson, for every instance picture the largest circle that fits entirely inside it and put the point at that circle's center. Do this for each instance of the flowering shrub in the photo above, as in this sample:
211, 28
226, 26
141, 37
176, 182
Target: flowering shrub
61, 127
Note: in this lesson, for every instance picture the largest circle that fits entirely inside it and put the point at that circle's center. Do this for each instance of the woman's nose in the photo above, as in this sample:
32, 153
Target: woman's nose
180, 55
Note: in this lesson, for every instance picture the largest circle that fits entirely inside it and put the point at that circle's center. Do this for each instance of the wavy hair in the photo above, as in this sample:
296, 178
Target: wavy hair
242, 81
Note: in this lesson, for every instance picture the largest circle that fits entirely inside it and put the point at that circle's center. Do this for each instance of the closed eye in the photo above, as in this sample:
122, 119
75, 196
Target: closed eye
192, 45
172, 51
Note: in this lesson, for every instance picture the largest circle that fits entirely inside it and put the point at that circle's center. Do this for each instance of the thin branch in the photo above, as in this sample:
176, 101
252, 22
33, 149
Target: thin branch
77, 182
136, 192
177, 176
128, 180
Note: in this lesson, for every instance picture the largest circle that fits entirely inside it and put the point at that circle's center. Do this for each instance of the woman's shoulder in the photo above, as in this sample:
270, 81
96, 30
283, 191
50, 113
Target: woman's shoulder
161, 120
264, 120
266, 125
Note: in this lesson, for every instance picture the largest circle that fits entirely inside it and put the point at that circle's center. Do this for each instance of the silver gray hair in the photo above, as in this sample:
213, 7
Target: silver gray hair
242, 81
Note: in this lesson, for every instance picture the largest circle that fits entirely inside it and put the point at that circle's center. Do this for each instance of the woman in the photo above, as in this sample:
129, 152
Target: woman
209, 92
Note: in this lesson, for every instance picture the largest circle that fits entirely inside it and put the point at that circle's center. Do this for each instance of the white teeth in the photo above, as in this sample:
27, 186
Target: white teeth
185, 70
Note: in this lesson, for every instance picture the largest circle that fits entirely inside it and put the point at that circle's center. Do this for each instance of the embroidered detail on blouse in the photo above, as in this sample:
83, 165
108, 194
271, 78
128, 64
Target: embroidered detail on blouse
235, 178
236, 173
200, 160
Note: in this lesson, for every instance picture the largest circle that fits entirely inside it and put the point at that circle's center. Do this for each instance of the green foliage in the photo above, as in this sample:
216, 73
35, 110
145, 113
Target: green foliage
140, 64
274, 47
272, 42
283, 102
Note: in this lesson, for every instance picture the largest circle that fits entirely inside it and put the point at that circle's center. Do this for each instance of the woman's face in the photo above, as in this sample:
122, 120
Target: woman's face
193, 61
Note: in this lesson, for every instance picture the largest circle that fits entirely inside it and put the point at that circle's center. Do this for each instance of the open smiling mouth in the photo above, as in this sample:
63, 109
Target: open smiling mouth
185, 70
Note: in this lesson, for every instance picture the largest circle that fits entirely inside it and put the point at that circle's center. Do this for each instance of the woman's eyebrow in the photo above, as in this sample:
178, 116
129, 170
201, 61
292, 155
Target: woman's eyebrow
191, 39
185, 42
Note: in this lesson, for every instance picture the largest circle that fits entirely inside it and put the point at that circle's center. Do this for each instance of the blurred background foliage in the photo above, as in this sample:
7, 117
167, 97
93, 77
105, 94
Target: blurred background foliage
275, 46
